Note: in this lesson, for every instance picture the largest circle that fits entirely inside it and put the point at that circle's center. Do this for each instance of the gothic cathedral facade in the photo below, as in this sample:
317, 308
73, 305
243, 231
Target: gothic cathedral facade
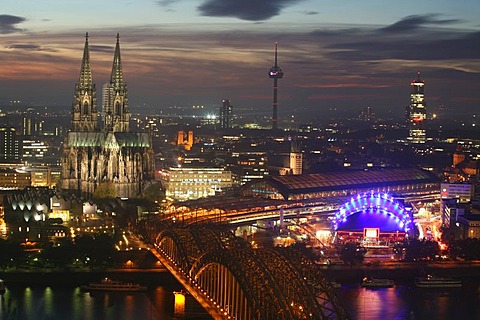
105, 152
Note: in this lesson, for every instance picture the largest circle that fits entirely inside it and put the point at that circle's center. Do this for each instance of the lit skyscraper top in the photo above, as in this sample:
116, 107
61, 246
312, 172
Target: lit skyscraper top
416, 111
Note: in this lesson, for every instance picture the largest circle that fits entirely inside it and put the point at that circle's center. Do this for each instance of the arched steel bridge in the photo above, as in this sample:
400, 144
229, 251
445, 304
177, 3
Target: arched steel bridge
235, 281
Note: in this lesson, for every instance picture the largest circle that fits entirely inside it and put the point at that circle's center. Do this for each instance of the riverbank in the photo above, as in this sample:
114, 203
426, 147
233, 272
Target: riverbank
399, 272
159, 276
404, 272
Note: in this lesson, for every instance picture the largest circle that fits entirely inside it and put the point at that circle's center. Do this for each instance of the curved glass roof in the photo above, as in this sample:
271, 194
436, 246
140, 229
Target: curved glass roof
330, 181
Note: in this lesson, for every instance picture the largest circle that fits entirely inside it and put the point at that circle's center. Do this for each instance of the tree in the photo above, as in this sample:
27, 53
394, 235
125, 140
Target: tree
308, 252
352, 253
10, 253
59, 255
104, 249
84, 248
104, 190
416, 250
154, 193
450, 234
97, 250
399, 250
467, 249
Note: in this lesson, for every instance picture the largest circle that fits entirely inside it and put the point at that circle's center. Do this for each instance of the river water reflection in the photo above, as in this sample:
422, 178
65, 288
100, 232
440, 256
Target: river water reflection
60, 302
69, 302
409, 302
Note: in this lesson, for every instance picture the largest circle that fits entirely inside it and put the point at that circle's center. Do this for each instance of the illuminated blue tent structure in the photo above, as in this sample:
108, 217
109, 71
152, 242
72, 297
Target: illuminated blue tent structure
374, 211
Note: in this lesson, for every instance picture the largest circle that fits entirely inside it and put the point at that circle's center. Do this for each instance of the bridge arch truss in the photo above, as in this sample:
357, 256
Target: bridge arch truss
245, 283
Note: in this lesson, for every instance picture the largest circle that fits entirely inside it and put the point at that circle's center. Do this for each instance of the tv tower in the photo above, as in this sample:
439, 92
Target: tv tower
275, 74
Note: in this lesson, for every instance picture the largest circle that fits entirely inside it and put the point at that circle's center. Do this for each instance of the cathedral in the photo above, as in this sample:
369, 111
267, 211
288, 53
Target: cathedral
105, 153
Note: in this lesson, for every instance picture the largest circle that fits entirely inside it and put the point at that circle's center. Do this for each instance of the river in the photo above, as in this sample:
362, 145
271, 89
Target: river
69, 302
409, 302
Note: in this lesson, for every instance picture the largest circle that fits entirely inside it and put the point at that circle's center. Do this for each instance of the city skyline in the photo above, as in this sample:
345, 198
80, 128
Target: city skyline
184, 52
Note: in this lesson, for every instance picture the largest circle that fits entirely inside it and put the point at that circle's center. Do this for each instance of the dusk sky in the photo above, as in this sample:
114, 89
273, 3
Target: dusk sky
342, 53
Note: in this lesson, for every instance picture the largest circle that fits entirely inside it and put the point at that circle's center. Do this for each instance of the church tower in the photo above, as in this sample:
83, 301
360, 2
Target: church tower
116, 116
84, 113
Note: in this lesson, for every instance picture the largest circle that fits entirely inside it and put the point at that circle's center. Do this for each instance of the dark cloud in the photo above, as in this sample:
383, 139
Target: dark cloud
98, 48
373, 47
415, 22
311, 13
8, 23
252, 10
415, 43
32, 47
165, 3
336, 32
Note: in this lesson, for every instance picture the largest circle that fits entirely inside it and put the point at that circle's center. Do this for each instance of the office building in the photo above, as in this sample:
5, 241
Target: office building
248, 166
34, 150
417, 112
187, 183
12, 179
226, 115
296, 159
31, 124
461, 191
10, 145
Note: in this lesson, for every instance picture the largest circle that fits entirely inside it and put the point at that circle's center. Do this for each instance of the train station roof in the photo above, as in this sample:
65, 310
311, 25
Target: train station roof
350, 179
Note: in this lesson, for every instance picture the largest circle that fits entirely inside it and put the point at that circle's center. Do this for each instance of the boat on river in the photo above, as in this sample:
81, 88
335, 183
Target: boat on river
108, 284
437, 282
377, 283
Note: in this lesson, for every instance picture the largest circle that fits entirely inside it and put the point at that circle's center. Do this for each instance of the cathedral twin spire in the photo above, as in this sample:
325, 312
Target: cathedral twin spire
116, 116
84, 113
86, 80
115, 113
116, 78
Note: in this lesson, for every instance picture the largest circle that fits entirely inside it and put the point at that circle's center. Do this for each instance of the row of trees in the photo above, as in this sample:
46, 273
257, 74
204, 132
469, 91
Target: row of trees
88, 250
10, 253
91, 251
467, 249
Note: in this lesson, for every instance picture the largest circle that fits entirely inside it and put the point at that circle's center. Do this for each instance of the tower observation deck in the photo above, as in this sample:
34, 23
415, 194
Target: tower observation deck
275, 74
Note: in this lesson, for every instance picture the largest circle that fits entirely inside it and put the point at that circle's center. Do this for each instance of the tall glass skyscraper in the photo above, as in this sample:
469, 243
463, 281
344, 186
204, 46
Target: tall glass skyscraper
226, 115
416, 112
10, 145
